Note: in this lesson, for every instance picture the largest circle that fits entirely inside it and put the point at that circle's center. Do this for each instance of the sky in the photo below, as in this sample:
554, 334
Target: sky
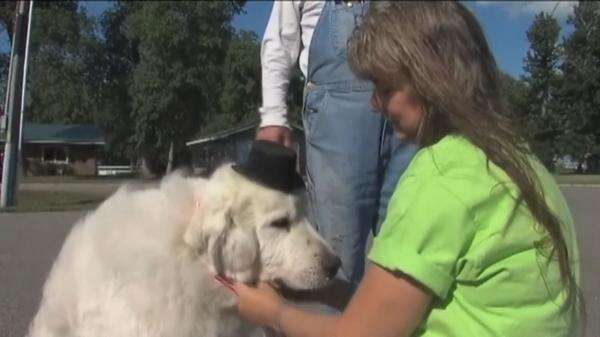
505, 24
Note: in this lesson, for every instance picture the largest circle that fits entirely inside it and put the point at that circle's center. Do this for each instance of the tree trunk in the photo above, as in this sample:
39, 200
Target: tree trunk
144, 169
170, 161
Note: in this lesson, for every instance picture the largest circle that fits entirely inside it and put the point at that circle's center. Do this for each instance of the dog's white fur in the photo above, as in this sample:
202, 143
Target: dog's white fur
142, 264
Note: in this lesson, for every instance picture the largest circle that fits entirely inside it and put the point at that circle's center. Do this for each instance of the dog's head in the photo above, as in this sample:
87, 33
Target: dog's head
249, 232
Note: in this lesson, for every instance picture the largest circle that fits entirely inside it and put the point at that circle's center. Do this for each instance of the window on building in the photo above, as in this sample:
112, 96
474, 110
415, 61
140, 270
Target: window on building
54, 154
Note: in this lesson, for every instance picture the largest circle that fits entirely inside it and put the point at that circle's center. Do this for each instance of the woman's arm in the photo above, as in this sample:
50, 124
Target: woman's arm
385, 304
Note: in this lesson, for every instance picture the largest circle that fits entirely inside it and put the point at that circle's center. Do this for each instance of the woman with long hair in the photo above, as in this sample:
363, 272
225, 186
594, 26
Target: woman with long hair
482, 242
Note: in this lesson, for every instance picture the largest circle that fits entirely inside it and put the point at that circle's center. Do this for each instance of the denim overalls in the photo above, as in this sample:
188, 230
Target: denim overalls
353, 158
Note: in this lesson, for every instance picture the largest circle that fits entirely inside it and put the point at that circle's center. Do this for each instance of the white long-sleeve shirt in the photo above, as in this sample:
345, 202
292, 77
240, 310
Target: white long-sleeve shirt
288, 34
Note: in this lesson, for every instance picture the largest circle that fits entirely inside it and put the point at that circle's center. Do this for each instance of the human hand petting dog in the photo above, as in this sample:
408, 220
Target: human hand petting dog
259, 305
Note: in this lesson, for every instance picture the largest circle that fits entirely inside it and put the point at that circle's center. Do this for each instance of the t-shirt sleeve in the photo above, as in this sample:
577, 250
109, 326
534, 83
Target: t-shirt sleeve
426, 231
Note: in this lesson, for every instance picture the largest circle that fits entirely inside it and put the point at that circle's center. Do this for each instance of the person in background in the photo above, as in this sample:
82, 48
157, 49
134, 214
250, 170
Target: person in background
478, 239
352, 159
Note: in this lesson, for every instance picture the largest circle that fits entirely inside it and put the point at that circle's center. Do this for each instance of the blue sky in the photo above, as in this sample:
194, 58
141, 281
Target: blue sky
504, 22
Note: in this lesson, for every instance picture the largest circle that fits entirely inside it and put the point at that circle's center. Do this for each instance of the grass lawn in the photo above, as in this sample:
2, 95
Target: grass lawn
578, 179
75, 179
47, 201
68, 193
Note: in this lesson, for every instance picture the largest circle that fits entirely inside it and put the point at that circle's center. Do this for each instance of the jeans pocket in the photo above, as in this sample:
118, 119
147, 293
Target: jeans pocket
314, 102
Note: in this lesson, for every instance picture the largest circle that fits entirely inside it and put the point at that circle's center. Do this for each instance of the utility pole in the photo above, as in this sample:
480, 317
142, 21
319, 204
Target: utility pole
22, 113
15, 90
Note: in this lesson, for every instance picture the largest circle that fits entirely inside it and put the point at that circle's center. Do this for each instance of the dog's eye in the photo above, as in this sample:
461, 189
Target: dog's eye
283, 223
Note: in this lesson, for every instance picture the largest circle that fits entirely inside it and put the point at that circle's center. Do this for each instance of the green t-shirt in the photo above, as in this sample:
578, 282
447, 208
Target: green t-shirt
454, 225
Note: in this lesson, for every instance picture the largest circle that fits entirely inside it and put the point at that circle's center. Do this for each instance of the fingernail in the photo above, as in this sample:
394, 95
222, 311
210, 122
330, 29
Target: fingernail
226, 279
226, 282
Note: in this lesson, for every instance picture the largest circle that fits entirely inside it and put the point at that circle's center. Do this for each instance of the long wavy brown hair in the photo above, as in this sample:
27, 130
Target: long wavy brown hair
439, 51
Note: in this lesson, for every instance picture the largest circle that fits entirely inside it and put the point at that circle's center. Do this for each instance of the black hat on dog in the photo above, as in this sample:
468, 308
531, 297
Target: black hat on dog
271, 164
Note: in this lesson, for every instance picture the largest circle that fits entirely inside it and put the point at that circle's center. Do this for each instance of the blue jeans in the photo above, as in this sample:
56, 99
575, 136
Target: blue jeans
353, 163
353, 159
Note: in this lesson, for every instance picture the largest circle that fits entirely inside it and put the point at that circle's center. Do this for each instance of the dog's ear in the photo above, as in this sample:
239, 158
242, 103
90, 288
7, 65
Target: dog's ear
214, 200
208, 221
235, 254
231, 250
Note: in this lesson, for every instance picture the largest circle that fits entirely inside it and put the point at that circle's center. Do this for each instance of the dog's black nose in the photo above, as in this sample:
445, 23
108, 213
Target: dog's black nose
332, 265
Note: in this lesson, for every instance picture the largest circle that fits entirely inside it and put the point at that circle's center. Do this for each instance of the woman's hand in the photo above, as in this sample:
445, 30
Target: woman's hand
261, 305
386, 304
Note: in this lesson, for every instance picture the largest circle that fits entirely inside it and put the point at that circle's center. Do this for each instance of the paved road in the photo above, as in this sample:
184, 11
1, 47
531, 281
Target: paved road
585, 206
28, 245
30, 242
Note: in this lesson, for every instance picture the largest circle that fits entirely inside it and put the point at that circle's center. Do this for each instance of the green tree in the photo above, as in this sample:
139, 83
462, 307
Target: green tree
543, 81
581, 89
241, 94
177, 83
119, 58
7, 15
295, 96
514, 93
4, 67
63, 72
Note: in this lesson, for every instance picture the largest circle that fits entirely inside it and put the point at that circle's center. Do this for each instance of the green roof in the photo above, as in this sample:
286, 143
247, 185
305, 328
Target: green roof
63, 134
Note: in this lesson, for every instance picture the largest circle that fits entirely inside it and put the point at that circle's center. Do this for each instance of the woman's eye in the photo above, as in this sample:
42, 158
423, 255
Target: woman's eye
281, 223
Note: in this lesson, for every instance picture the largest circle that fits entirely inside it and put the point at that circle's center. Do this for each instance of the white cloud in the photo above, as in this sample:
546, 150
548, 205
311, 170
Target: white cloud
516, 8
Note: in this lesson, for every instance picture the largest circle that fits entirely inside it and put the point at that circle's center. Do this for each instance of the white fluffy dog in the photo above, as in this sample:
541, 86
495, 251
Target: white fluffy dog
142, 264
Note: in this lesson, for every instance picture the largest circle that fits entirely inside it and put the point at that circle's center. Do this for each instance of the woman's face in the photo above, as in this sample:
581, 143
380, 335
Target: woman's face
401, 108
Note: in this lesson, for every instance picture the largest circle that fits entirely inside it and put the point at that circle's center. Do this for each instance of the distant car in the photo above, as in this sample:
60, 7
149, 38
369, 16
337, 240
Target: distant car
567, 163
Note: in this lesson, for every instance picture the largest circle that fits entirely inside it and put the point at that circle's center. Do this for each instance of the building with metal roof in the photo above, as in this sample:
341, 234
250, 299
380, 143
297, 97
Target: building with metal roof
50, 149
233, 145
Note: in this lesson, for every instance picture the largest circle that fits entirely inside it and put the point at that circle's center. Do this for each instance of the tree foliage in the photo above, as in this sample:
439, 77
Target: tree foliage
154, 74
241, 93
7, 15
119, 58
514, 93
581, 87
543, 82
64, 52
562, 81
176, 84
295, 96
